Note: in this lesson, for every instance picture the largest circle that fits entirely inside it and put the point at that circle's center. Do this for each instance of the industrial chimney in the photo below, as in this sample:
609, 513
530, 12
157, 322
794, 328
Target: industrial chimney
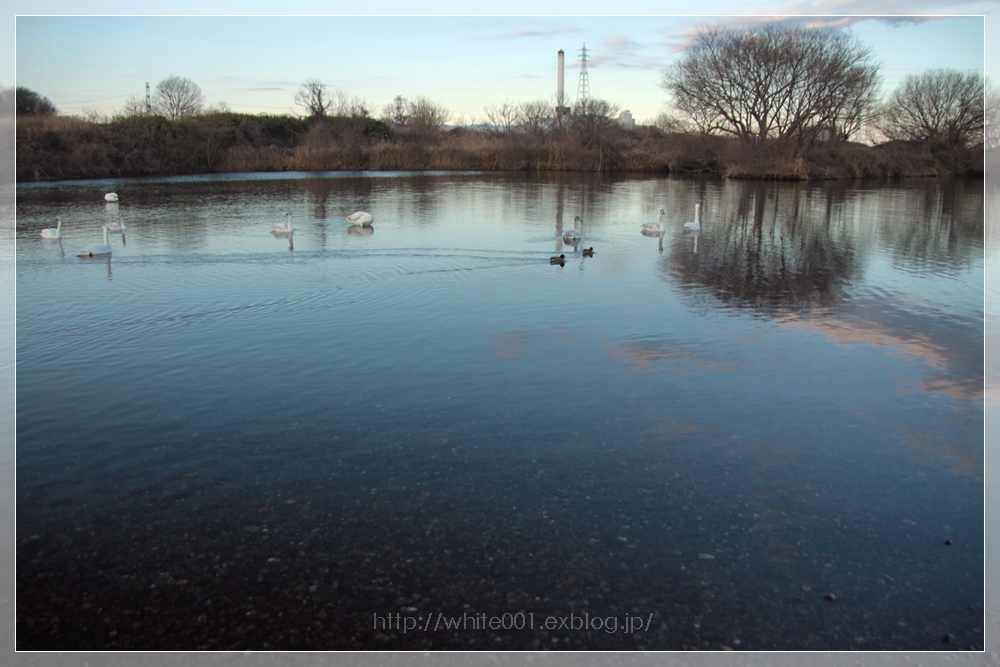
561, 109
559, 93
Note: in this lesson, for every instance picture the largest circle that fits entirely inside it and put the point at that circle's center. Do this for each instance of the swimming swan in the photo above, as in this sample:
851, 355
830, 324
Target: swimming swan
52, 233
360, 218
571, 235
111, 196
117, 226
696, 225
656, 226
96, 248
286, 228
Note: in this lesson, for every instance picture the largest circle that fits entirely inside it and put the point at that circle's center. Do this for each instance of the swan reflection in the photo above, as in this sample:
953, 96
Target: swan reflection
361, 230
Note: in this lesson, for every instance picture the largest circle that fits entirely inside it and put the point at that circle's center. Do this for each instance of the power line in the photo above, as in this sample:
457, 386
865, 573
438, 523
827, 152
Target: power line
99, 99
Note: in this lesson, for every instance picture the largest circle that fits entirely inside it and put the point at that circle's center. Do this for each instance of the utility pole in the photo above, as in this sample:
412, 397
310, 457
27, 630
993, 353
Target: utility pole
149, 104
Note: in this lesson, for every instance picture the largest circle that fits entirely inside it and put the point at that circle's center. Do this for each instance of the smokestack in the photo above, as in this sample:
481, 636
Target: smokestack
559, 90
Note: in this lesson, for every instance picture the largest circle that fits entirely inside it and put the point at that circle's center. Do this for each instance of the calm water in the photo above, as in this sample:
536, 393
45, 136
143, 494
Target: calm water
759, 437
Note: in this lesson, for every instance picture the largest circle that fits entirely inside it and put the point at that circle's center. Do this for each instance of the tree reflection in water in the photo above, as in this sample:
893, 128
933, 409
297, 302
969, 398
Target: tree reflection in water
779, 248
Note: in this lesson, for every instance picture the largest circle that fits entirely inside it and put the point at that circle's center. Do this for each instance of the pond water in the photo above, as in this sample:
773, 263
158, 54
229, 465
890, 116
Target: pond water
423, 435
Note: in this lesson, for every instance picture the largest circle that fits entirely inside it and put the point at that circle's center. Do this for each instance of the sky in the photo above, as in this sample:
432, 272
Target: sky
92, 56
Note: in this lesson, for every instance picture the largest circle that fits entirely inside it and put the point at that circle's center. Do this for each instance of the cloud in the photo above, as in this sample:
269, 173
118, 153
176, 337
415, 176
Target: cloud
949, 371
618, 51
542, 33
533, 33
834, 14
620, 44
665, 354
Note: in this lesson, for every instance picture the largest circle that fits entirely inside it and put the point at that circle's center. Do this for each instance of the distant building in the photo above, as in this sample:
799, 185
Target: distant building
625, 120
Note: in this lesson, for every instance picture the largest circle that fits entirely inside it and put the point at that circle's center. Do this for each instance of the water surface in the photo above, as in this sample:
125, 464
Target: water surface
758, 437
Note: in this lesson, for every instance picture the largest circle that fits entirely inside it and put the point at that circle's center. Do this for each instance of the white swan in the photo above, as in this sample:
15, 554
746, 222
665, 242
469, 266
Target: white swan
360, 218
111, 196
50, 233
96, 248
656, 227
286, 228
571, 235
696, 225
117, 226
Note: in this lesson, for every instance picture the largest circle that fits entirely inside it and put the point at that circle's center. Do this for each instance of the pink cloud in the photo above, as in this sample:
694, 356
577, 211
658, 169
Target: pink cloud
833, 14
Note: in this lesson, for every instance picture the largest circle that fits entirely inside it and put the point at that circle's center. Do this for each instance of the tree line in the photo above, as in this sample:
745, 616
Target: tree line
793, 87
772, 102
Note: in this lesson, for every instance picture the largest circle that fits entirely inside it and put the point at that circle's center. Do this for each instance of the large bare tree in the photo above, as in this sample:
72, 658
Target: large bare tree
774, 82
937, 106
176, 97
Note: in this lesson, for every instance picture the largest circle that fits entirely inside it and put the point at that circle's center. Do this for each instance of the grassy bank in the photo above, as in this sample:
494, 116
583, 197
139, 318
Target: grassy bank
57, 148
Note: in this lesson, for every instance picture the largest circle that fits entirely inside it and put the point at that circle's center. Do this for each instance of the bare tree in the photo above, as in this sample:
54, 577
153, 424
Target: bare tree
937, 106
94, 115
341, 105
426, 115
314, 97
135, 105
176, 97
774, 83
502, 117
396, 113
359, 108
593, 118
219, 107
535, 117
671, 123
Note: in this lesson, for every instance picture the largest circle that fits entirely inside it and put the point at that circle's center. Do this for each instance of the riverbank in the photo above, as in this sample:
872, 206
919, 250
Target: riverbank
59, 148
